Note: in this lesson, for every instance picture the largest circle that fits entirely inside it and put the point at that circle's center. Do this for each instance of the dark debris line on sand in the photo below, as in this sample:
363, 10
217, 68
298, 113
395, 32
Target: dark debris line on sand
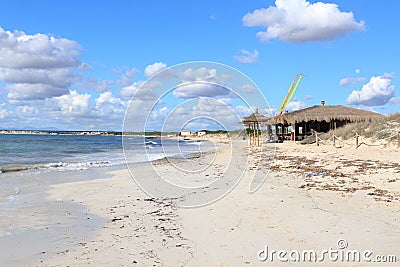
346, 177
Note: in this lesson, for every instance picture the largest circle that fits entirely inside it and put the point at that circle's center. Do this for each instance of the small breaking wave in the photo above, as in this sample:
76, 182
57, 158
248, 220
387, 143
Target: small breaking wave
197, 143
13, 197
152, 143
57, 166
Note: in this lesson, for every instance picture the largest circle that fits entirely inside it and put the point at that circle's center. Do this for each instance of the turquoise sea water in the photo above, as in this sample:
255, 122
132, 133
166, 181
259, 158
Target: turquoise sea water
37, 153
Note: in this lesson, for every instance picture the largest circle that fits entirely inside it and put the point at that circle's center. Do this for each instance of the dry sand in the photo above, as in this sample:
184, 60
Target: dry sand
354, 196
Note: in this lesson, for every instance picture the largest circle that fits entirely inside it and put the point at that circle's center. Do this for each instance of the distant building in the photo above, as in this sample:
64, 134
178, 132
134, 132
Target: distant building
185, 133
201, 133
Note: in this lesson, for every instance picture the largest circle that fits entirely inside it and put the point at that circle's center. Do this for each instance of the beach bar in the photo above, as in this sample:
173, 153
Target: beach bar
296, 125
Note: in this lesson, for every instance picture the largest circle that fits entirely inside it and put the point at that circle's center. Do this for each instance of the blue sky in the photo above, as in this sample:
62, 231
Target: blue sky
76, 64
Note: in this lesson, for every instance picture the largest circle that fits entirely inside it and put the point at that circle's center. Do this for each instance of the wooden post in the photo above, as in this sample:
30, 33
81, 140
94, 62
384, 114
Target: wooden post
398, 139
316, 138
251, 135
248, 134
293, 133
258, 135
334, 140
356, 140
254, 134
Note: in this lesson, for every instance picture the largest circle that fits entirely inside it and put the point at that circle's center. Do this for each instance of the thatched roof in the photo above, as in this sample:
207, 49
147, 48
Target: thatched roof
255, 118
325, 113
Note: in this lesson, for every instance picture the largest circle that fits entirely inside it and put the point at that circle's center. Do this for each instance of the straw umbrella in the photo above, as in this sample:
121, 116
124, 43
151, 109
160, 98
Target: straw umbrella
253, 122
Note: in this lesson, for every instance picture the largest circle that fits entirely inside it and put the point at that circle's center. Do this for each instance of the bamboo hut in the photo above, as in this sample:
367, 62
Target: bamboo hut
254, 122
298, 124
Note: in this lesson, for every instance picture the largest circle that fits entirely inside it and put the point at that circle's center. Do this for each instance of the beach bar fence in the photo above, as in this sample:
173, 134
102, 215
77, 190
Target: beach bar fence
357, 140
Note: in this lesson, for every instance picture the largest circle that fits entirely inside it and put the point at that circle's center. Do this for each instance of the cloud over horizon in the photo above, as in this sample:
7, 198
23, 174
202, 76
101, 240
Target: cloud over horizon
152, 69
42, 74
73, 103
377, 92
298, 21
295, 105
3, 112
37, 66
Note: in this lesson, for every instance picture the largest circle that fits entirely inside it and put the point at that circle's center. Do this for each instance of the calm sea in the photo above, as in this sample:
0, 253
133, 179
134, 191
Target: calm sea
37, 153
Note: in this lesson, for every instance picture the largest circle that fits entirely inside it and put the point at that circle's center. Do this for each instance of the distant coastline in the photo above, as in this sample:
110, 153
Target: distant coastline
94, 133
100, 133
52, 132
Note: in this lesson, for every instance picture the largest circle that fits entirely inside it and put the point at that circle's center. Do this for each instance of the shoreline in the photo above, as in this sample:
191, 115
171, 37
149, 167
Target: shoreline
44, 167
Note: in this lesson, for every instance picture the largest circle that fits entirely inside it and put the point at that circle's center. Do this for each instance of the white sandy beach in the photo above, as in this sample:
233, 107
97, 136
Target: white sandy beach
357, 200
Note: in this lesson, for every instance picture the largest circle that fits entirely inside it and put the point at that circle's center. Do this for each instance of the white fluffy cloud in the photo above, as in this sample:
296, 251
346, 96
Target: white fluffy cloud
37, 66
108, 105
101, 85
206, 113
28, 91
295, 105
27, 110
152, 69
351, 80
140, 90
201, 82
108, 98
395, 100
247, 89
159, 115
202, 74
247, 56
20, 50
228, 116
3, 112
126, 77
73, 103
80, 111
200, 89
130, 90
299, 21
377, 92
